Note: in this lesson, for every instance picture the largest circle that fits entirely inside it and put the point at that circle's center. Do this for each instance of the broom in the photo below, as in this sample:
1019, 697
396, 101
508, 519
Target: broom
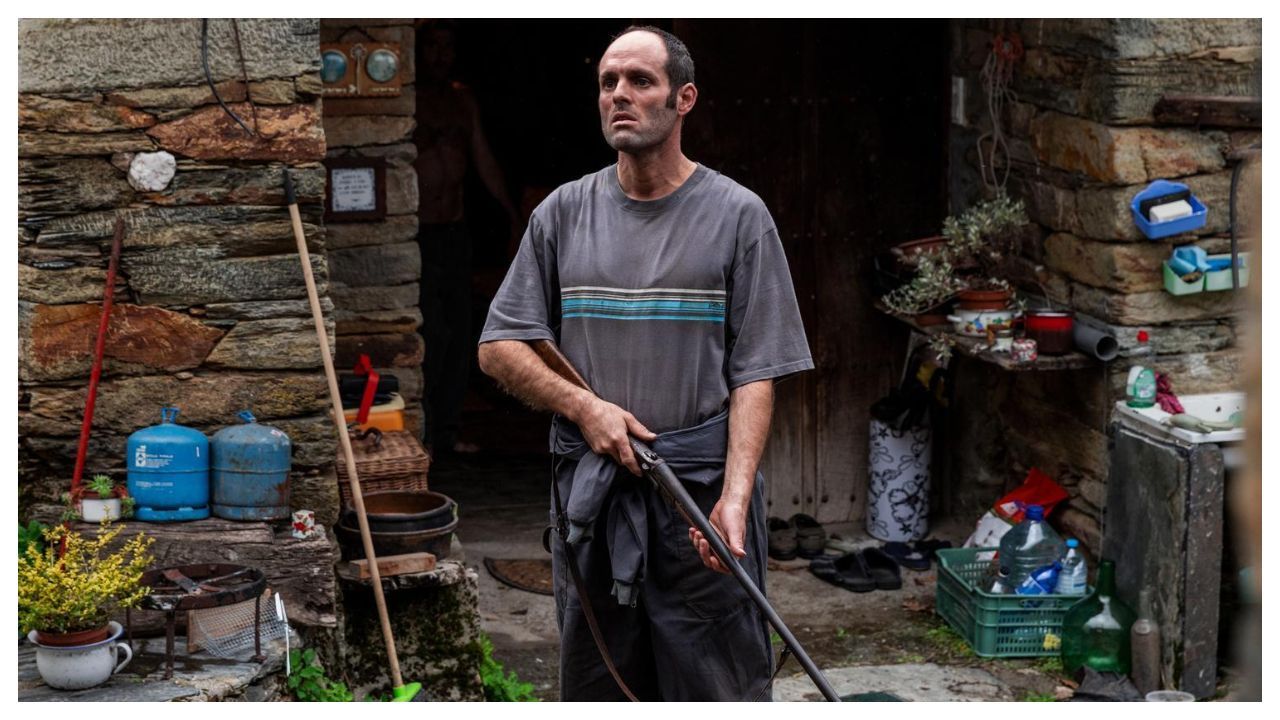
400, 692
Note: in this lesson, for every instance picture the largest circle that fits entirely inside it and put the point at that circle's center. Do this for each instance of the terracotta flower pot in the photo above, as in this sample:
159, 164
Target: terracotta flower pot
983, 299
908, 253
79, 637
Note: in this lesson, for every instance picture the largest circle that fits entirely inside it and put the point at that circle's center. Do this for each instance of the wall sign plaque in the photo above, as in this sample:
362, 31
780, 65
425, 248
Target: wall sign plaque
356, 190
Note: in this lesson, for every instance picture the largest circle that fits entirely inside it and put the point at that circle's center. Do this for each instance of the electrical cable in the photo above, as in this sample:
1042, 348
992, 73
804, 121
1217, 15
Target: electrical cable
208, 76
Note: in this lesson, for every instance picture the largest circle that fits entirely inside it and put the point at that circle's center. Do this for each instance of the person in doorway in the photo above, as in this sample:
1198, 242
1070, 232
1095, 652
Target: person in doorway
665, 284
449, 142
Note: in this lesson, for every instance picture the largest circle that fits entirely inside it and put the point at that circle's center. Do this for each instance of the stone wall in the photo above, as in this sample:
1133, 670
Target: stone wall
375, 266
115, 119
1082, 142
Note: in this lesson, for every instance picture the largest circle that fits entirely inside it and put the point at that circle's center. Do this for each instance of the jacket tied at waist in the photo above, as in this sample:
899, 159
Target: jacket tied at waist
695, 454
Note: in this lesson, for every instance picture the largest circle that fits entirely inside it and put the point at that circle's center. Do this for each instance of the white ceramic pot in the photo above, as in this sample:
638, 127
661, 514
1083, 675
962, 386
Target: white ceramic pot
96, 510
974, 323
77, 667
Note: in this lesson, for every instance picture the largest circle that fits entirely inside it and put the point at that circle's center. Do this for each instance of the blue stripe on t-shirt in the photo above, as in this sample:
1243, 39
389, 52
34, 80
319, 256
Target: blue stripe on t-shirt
649, 304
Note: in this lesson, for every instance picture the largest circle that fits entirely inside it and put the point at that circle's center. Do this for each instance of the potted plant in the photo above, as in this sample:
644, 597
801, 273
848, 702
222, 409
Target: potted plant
101, 499
970, 265
65, 602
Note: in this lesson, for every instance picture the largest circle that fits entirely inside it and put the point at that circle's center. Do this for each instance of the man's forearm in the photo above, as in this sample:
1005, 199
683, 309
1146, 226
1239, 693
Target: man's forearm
750, 411
519, 370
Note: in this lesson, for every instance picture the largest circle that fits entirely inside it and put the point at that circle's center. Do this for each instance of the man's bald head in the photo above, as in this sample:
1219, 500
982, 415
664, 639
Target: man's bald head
679, 63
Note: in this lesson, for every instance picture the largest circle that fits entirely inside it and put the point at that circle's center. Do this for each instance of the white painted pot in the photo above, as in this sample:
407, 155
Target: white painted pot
95, 510
974, 323
77, 667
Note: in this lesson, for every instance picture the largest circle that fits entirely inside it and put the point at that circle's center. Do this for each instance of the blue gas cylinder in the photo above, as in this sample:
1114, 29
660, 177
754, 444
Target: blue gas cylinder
251, 465
169, 471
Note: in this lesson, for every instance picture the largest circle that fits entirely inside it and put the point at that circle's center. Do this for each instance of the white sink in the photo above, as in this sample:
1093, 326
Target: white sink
1211, 406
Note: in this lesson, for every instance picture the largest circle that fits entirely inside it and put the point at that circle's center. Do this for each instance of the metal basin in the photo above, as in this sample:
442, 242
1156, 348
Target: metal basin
435, 541
403, 511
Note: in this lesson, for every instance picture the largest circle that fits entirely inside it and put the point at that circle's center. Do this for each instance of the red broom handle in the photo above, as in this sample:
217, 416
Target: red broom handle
98, 350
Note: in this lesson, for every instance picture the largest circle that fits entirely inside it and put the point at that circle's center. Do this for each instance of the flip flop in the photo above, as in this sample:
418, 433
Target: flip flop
848, 571
782, 539
930, 548
885, 571
906, 556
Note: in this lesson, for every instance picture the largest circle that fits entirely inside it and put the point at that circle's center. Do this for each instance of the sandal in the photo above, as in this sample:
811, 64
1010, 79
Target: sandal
810, 535
906, 556
848, 571
930, 548
782, 539
884, 569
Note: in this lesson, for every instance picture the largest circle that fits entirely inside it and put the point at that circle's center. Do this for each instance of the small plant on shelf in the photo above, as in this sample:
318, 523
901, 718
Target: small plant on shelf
980, 242
102, 499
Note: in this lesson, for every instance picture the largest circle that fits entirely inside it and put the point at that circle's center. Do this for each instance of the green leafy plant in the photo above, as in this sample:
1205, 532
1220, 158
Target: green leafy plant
979, 242
32, 534
1038, 697
308, 682
501, 685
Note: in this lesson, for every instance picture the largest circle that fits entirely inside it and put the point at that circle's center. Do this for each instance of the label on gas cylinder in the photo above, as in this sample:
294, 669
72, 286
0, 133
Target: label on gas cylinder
155, 461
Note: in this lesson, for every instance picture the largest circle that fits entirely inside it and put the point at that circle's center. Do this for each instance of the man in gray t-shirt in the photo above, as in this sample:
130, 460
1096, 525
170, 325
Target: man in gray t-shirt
664, 283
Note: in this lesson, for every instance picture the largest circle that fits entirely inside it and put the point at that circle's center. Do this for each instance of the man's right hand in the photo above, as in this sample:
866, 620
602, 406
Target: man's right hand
606, 427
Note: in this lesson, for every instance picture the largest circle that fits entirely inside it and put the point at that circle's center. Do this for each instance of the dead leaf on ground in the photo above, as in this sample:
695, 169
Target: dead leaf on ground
915, 605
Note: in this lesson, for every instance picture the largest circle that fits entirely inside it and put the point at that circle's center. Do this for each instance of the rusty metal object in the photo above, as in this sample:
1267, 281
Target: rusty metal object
195, 587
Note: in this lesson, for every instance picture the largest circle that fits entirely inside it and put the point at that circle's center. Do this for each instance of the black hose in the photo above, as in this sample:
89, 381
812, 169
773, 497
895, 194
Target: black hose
1231, 204
208, 76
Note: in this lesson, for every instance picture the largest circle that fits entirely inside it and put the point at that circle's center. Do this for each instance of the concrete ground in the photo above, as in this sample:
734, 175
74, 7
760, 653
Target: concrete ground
889, 641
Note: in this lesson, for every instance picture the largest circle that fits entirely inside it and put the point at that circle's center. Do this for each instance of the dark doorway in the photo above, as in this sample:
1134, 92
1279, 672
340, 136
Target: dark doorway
840, 126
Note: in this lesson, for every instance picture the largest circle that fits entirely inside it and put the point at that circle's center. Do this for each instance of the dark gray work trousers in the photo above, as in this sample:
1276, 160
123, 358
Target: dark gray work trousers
693, 635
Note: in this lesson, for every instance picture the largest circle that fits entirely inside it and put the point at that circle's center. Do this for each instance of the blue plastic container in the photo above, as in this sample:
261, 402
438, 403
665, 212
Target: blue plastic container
1199, 214
169, 471
250, 479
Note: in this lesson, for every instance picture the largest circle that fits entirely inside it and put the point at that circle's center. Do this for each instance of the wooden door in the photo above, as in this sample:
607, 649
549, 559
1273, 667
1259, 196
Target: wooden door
840, 127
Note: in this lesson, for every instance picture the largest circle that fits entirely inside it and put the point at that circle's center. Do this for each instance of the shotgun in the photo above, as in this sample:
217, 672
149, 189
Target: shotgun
661, 475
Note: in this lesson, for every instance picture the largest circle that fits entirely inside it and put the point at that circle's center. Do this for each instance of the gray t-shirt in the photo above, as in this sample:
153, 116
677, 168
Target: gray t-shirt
664, 306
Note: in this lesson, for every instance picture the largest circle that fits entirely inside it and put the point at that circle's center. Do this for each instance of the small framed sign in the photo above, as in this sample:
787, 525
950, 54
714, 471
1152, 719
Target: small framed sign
356, 190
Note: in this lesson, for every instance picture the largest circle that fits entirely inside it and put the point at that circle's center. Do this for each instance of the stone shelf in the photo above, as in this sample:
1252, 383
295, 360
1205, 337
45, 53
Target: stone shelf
196, 678
977, 348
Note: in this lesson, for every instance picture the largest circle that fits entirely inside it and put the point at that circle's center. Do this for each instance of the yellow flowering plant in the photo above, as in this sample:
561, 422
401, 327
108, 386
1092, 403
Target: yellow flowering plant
83, 588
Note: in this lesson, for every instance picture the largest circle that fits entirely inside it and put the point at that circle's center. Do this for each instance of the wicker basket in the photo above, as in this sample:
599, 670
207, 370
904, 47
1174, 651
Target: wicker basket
399, 462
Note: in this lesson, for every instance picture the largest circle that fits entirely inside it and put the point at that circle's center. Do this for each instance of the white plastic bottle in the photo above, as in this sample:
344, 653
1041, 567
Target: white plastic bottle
1074, 577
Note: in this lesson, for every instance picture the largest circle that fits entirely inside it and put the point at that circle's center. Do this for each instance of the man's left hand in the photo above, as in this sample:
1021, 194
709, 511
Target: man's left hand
729, 518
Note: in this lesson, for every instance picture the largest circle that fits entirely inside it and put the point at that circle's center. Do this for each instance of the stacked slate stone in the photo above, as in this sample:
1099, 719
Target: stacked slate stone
374, 267
116, 119
1083, 142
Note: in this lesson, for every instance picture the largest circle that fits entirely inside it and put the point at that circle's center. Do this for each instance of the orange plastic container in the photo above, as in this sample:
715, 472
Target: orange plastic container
386, 417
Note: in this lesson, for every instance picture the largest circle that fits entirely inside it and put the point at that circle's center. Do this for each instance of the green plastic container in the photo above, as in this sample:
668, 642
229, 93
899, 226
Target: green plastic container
1176, 286
999, 626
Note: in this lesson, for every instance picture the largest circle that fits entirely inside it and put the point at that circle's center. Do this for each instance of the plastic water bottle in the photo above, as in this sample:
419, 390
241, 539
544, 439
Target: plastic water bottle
1030, 545
1074, 578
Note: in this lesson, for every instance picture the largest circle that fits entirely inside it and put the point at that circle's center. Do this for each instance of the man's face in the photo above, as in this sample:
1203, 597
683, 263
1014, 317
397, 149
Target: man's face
634, 88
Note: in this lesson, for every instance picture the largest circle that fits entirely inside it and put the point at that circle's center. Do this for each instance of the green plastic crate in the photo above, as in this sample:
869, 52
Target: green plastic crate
997, 625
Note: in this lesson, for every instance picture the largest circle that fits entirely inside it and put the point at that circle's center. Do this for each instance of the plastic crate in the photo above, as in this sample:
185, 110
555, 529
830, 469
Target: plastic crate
997, 626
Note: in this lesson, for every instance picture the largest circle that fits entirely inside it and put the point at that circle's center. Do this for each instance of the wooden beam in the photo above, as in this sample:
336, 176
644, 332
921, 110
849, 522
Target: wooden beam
389, 566
1211, 110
